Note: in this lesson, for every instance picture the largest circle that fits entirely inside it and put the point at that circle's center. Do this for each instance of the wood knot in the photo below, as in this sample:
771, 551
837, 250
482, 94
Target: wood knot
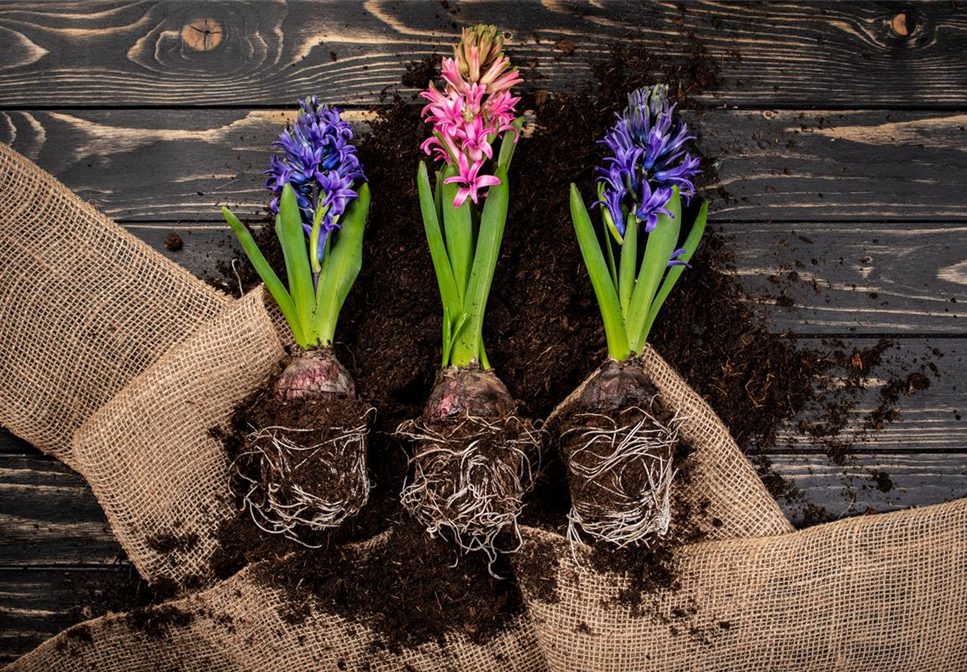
902, 24
202, 34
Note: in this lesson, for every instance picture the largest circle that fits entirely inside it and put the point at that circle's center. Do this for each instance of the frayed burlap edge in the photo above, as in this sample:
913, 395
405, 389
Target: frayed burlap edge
84, 306
150, 455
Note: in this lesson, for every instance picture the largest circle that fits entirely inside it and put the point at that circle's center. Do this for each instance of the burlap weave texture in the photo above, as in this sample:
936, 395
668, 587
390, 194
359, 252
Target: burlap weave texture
85, 306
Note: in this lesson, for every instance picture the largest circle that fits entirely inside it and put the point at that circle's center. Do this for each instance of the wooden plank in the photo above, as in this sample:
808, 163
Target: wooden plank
805, 277
869, 483
932, 420
171, 165
49, 516
251, 53
36, 604
831, 166
829, 278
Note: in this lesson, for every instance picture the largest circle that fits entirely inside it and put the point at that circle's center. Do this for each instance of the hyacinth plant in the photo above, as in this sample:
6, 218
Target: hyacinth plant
615, 435
472, 455
310, 477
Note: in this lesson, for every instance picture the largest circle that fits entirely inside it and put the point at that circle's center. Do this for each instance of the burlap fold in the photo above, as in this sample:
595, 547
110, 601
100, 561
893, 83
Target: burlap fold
84, 306
868, 594
149, 453
242, 625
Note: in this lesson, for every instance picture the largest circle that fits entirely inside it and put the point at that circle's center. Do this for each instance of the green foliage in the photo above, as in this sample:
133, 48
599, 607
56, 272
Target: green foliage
464, 246
631, 290
315, 293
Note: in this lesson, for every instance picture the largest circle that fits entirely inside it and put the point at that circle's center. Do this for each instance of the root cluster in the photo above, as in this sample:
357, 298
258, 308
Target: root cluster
305, 486
621, 476
469, 478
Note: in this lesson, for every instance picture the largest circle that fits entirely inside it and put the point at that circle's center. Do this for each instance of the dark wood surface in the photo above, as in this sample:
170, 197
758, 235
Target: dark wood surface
840, 131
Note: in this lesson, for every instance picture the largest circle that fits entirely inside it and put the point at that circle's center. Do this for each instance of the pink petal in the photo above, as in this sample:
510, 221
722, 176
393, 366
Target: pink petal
461, 196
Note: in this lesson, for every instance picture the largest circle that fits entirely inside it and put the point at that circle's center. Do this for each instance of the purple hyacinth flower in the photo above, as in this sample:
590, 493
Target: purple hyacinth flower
647, 159
320, 164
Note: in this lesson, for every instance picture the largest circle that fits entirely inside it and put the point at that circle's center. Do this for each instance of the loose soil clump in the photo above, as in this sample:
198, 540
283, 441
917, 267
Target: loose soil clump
408, 588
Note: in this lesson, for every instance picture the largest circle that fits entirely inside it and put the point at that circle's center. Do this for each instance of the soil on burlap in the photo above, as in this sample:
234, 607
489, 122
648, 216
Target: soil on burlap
409, 589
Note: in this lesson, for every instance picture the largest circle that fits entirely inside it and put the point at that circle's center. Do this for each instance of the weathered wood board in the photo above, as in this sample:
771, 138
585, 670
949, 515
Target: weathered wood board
840, 137
772, 165
37, 603
255, 53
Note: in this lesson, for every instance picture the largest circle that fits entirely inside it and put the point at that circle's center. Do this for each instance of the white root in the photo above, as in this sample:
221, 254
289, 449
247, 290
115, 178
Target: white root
629, 516
278, 505
462, 494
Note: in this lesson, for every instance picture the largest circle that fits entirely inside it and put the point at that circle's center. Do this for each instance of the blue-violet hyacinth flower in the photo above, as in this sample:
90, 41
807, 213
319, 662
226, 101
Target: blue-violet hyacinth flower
320, 163
648, 159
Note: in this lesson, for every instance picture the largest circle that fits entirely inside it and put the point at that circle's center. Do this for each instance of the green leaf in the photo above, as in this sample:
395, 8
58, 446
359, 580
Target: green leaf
675, 272
288, 227
658, 250
314, 240
438, 251
458, 230
343, 265
438, 195
629, 263
468, 345
271, 280
604, 289
447, 337
508, 144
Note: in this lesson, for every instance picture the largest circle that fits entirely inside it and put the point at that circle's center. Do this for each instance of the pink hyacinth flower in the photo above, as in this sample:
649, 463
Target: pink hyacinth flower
471, 182
473, 111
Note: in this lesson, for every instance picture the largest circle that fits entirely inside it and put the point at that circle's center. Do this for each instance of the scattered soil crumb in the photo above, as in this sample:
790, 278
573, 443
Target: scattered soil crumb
172, 242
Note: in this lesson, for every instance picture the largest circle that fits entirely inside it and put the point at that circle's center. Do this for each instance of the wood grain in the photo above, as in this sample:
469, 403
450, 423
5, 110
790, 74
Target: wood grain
852, 489
867, 279
36, 604
49, 516
171, 165
158, 53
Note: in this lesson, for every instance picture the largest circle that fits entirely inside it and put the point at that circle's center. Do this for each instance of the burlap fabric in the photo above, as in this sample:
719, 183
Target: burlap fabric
240, 626
85, 306
149, 453
873, 593
723, 483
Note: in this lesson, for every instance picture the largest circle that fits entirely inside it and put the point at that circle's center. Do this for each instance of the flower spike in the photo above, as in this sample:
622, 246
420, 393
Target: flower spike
320, 164
648, 159
474, 109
